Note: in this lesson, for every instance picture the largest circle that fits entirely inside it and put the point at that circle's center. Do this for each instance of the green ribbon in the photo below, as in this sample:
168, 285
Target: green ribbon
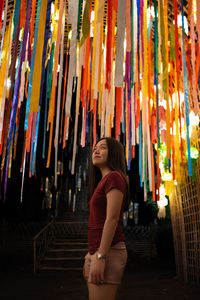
79, 19
86, 22
172, 41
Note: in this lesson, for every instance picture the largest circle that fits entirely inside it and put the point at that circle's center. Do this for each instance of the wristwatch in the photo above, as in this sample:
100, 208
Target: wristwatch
100, 256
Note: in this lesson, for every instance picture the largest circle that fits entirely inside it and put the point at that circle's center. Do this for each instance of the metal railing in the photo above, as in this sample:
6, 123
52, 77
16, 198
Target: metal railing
41, 242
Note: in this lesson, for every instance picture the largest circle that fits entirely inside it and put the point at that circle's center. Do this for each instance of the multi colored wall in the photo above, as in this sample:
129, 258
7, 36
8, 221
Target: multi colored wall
130, 68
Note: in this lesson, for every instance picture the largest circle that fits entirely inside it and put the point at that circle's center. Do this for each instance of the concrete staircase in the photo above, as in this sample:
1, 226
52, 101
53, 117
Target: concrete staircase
66, 254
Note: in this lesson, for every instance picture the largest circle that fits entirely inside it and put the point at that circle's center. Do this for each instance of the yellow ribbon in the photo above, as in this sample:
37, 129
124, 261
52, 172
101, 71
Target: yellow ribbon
35, 93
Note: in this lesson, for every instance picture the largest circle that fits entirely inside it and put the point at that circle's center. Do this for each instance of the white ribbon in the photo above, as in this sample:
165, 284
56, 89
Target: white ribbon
73, 4
59, 97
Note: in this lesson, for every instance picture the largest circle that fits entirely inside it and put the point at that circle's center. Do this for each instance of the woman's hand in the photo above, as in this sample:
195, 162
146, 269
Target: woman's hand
97, 269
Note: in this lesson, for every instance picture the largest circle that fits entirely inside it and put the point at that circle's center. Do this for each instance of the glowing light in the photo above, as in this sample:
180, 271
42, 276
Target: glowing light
92, 15
194, 119
57, 15
8, 83
185, 23
21, 34
194, 153
52, 8
166, 176
163, 202
70, 35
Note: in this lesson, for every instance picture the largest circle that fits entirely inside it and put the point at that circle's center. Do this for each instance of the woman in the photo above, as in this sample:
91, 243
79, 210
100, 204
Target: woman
107, 256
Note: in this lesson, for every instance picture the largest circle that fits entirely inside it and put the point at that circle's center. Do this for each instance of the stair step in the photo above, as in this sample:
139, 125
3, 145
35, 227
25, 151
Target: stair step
71, 239
47, 268
69, 242
66, 250
62, 258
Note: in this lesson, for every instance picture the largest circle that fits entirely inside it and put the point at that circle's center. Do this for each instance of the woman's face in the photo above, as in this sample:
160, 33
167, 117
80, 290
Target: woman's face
100, 154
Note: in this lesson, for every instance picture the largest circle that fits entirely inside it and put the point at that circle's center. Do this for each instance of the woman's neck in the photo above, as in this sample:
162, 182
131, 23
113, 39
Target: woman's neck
104, 171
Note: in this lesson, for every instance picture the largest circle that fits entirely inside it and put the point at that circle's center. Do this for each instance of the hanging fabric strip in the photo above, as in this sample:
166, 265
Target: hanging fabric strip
145, 58
1, 11
34, 142
22, 83
95, 49
4, 63
9, 103
98, 49
23, 166
109, 45
46, 37
58, 41
165, 53
16, 92
32, 26
86, 22
135, 69
79, 19
198, 22
32, 66
193, 60
141, 34
29, 133
22, 14
48, 91
76, 116
128, 25
2, 107
158, 175
59, 97
132, 43
36, 81
16, 16
177, 64
186, 92
121, 23
63, 99
72, 59
140, 154
31, 167
54, 84
3, 29
118, 109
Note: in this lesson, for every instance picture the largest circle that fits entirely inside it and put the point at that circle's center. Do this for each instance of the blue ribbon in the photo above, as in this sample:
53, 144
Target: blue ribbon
34, 143
16, 16
46, 36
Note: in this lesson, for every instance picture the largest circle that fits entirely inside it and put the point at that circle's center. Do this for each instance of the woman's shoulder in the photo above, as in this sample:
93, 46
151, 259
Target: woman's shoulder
116, 176
115, 179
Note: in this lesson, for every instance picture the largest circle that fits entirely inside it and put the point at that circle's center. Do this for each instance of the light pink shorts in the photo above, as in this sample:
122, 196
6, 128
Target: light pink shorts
116, 259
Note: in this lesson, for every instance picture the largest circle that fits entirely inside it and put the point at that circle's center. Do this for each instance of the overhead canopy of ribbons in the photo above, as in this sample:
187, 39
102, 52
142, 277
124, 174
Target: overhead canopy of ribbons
129, 68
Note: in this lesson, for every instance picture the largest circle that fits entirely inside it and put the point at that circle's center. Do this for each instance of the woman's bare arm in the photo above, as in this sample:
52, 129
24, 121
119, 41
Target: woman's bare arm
114, 204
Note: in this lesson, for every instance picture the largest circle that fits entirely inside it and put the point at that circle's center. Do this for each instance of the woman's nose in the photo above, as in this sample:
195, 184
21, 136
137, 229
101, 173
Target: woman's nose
96, 150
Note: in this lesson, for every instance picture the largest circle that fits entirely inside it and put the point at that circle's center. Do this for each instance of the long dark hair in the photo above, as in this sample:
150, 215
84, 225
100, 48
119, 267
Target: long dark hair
115, 162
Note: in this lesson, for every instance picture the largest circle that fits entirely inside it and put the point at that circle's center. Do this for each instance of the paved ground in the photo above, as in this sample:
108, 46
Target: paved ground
142, 281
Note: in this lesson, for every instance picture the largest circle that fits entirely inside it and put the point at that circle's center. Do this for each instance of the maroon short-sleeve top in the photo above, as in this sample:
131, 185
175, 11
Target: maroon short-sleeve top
97, 205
